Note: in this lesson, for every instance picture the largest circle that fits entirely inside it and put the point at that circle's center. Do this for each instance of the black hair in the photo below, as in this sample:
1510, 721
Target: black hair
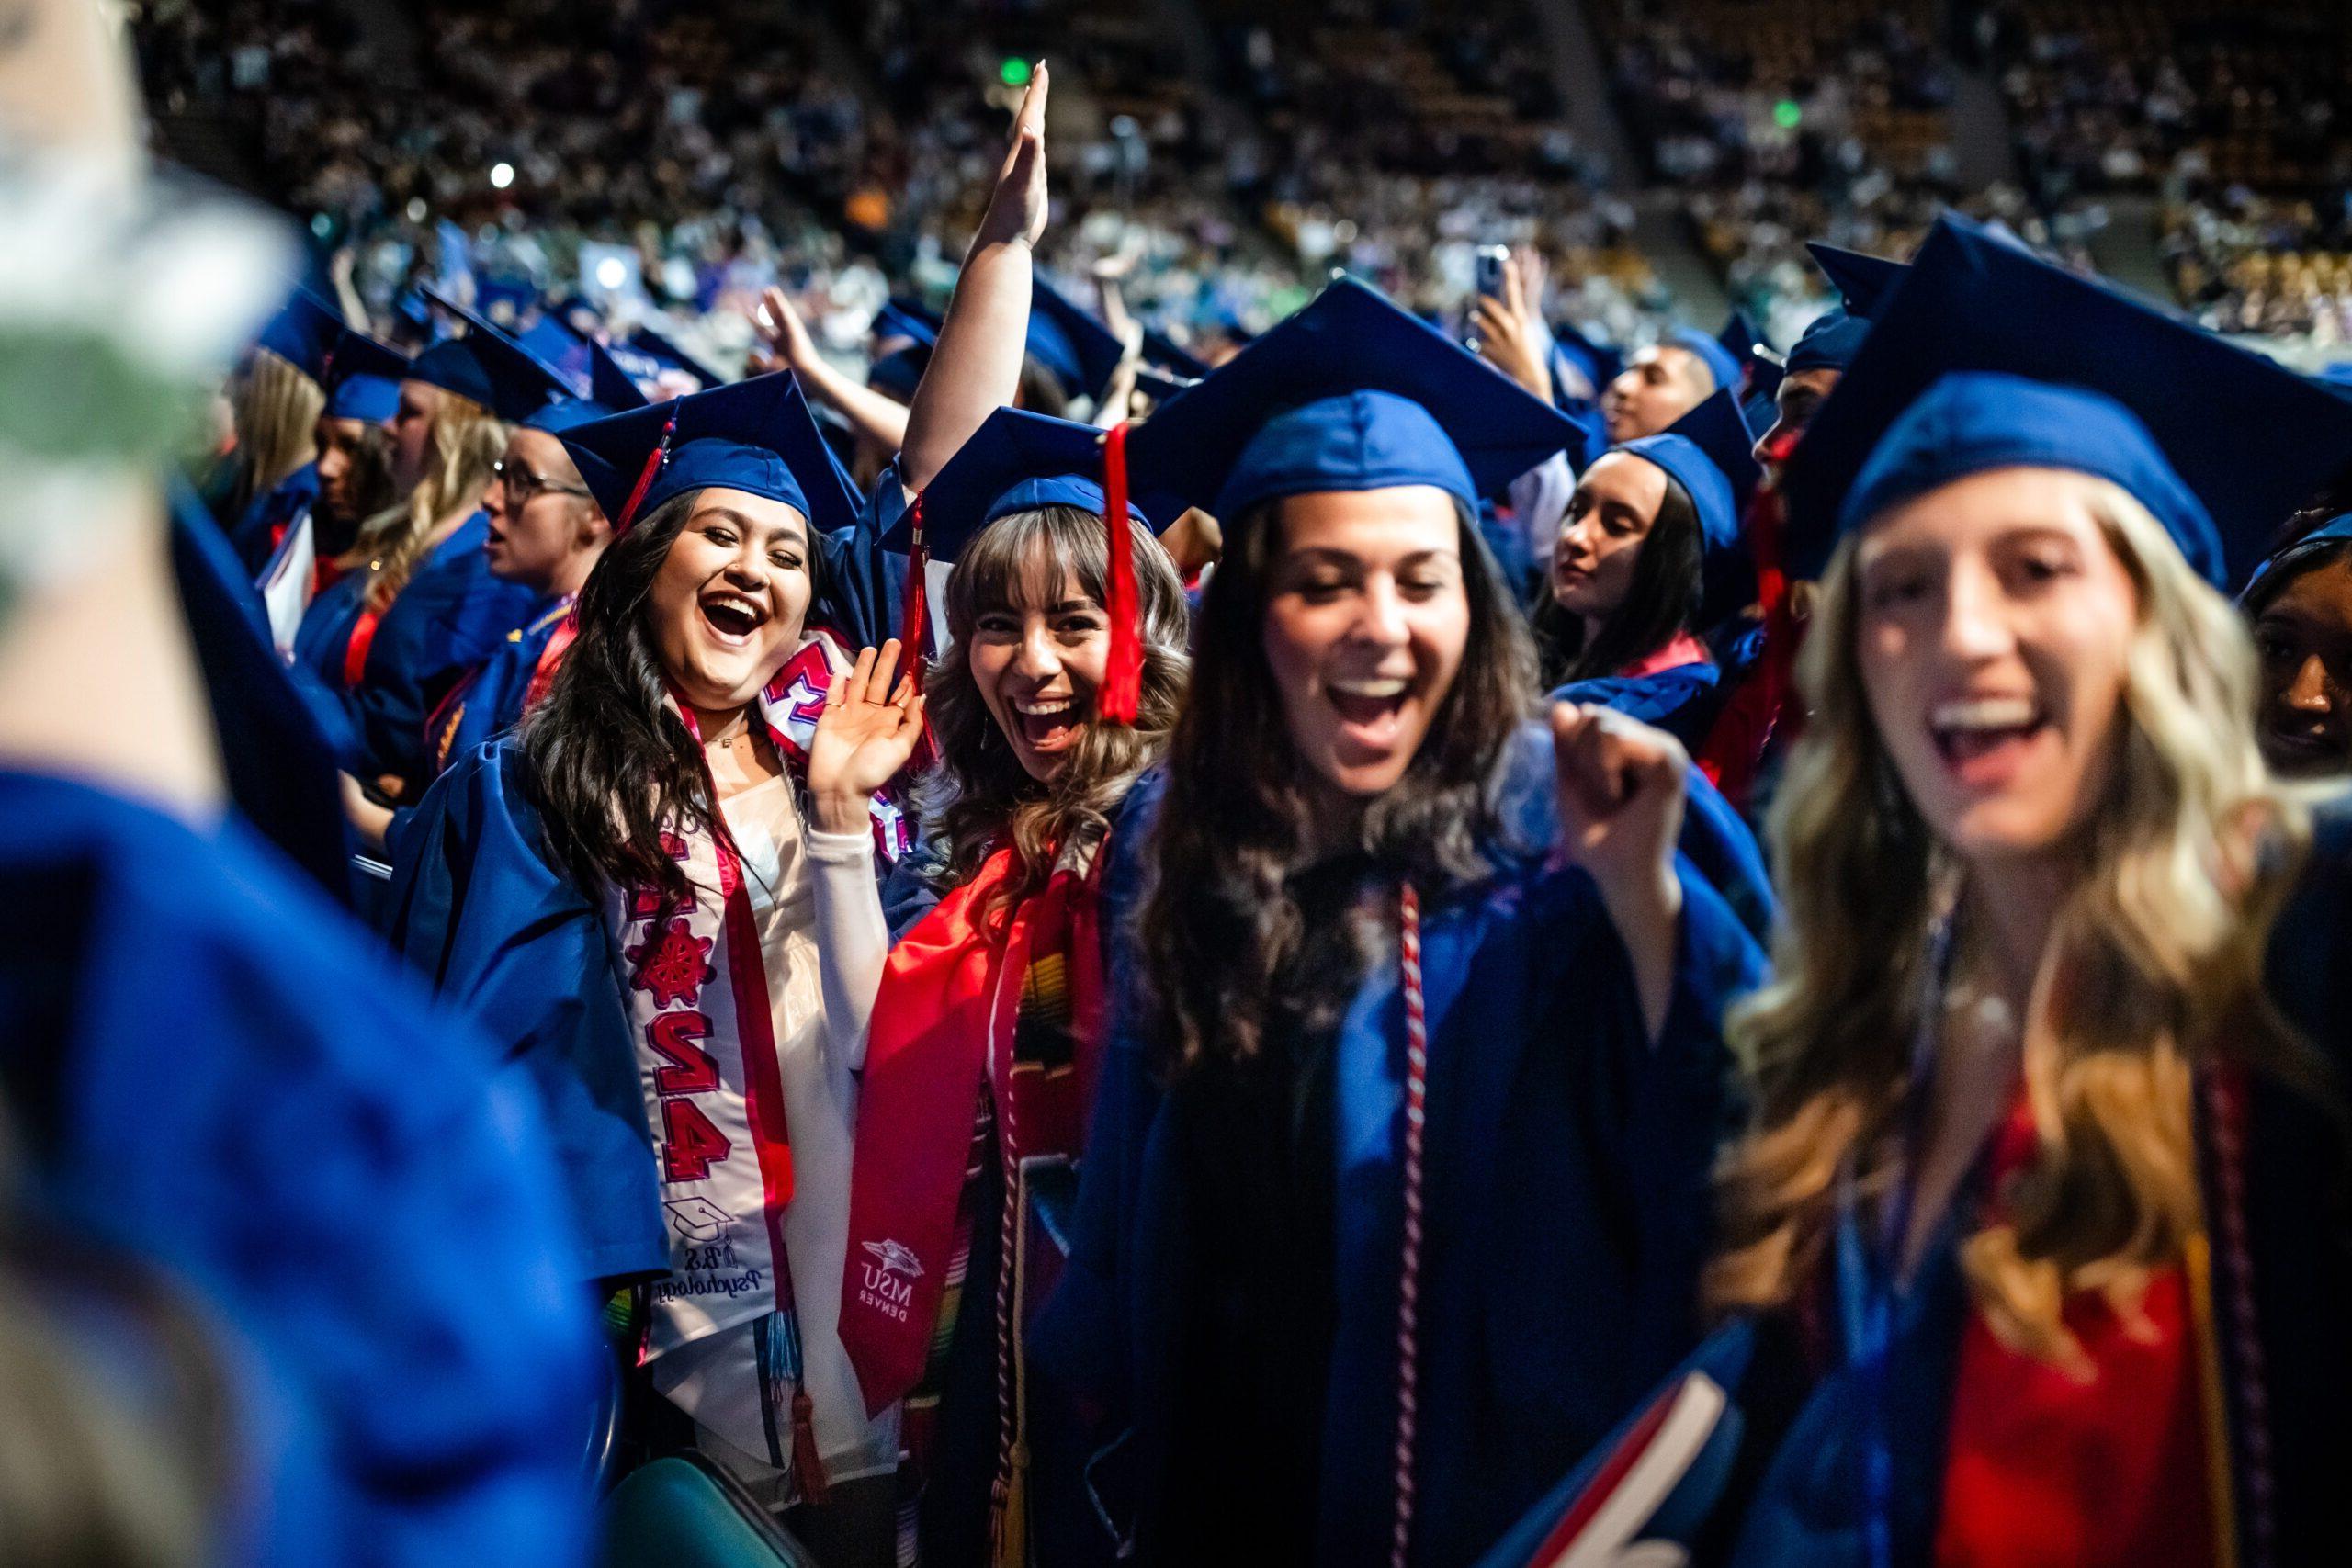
1660, 603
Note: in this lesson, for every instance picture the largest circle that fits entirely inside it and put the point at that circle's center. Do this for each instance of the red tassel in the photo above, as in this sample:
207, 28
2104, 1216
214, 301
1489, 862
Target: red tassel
914, 629
1122, 693
653, 463
808, 1469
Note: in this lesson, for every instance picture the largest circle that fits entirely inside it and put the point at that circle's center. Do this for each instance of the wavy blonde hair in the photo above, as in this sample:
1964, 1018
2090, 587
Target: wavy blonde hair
2153, 969
464, 443
276, 407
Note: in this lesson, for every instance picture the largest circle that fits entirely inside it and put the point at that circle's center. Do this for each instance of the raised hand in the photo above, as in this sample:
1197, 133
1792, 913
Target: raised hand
867, 734
1016, 213
1621, 786
785, 333
1512, 334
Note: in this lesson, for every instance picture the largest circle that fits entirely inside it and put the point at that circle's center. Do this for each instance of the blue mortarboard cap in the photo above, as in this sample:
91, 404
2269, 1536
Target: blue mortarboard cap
489, 367
899, 372
1830, 341
1351, 393
1078, 350
614, 393
1719, 428
756, 435
1163, 352
363, 378
303, 333
1015, 461
901, 317
1865, 282
668, 355
2287, 558
1719, 360
1971, 422
1600, 363
556, 344
1759, 373
2252, 440
1691, 468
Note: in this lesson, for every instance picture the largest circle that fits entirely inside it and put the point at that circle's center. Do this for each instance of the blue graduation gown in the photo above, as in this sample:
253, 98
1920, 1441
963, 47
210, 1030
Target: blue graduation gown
1567, 1188
488, 702
509, 941
282, 736
252, 537
207, 1067
449, 618
325, 632
1680, 701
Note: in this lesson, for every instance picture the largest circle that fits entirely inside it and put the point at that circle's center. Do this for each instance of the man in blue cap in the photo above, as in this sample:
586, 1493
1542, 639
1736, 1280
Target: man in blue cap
1663, 382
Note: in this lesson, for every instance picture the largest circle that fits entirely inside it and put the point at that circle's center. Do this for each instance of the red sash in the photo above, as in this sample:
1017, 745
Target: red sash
944, 1016
2046, 1470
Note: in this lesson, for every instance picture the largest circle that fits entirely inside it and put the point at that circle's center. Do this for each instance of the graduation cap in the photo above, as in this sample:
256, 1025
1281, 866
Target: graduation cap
1989, 358
1865, 282
303, 333
1351, 393
899, 372
901, 317
1598, 362
756, 435
1719, 360
1830, 342
1720, 430
1166, 355
1016, 461
1075, 348
668, 355
363, 378
2335, 531
488, 367
559, 346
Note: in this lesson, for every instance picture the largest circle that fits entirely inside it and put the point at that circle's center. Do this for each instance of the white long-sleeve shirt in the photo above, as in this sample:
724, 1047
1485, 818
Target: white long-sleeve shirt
824, 943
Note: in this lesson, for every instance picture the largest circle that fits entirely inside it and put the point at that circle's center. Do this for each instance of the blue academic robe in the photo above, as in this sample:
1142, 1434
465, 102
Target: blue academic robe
254, 535
449, 618
206, 1068
324, 633
282, 736
1568, 1194
1681, 701
506, 939
488, 702
1795, 1494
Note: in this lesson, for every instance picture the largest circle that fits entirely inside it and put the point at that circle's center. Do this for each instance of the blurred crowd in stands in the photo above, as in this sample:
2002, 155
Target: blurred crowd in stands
1219, 159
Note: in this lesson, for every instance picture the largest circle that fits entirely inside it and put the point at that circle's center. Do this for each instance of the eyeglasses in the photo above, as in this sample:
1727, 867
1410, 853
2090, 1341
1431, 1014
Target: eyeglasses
521, 484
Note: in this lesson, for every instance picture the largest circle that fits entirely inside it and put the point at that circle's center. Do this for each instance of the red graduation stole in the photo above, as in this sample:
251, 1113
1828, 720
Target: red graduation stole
950, 998
2126, 1468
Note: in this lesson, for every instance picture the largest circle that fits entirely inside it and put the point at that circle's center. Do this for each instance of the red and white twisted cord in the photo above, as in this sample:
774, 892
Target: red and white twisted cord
1408, 1282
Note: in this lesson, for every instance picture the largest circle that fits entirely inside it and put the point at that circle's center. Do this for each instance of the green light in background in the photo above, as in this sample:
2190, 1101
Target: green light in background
1013, 73
1787, 115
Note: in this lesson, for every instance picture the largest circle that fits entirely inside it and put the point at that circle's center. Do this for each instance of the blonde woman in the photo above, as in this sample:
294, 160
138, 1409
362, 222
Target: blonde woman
421, 606
2037, 1235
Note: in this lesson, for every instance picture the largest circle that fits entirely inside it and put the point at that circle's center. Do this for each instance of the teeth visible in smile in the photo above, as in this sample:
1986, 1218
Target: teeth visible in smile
735, 604
1040, 709
1379, 689
1984, 713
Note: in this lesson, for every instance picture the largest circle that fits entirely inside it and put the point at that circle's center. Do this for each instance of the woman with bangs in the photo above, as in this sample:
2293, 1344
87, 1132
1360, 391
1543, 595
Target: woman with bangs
982, 1055
2024, 1246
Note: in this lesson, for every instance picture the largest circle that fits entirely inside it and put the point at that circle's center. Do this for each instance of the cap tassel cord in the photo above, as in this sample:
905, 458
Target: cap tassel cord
654, 462
1121, 694
915, 621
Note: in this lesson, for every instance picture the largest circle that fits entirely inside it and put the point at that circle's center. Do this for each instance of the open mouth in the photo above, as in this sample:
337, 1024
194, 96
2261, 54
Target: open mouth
1984, 740
1048, 724
1370, 707
733, 618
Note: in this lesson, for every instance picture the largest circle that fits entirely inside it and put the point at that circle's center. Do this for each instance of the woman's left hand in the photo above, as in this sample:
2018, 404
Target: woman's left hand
867, 734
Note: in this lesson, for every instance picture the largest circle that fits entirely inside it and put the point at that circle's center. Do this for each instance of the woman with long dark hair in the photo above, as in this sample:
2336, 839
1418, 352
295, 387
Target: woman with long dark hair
1400, 1119
1646, 557
2299, 605
661, 894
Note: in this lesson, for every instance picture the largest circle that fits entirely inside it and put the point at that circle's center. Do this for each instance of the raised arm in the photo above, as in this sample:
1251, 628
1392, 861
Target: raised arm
870, 414
976, 369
